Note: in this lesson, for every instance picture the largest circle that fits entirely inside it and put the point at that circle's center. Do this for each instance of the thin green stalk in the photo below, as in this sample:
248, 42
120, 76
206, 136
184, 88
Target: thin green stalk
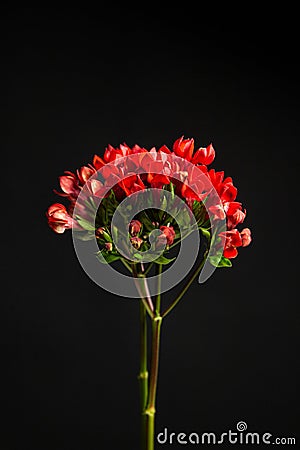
156, 327
143, 375
148, 268
159, 270
142, 287
186, 287
125, 263
150, 411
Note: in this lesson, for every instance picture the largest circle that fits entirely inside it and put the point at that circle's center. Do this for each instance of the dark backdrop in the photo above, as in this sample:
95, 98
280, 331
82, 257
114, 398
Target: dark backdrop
75, 81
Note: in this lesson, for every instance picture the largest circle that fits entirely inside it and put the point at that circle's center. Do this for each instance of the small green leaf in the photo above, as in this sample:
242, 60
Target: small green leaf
225, 262
108, 257
206, 233
138, 256
172, 190
163, 260
220, 261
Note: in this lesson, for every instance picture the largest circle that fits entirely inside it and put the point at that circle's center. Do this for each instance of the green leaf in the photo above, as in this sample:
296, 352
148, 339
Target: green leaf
172, 190
206, 233
85, 224
146, 221
109, 257
225, 262
138, 256
163, 260
83, 236
162, 208
218, 261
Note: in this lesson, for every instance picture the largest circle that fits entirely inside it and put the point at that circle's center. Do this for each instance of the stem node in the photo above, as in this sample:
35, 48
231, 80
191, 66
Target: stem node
150, 411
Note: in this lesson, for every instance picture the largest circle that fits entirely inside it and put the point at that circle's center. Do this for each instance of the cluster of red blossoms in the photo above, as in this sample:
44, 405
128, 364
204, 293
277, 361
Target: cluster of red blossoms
156, 174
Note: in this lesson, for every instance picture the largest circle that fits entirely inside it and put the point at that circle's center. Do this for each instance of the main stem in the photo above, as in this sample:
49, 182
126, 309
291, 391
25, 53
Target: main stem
143, 375
156, 327
150, 411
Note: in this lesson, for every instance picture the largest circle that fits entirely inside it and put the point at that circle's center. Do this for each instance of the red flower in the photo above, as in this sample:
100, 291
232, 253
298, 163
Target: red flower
204, 155
234, 239
69, 184
58, 218
98, 162
190, 178
131, 184
169, 234
84, 173
112, 153
184, 148
234, 214
246, 237
227, 192
217, 211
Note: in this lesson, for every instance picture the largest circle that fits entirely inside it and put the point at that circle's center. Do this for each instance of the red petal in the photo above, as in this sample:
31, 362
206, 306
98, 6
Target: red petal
98, 162
230, 252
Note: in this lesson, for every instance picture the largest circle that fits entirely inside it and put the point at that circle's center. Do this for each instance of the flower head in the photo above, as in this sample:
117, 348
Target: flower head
182, 171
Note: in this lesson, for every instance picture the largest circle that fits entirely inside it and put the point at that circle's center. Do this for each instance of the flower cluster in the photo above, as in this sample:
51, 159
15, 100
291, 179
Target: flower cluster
154, 171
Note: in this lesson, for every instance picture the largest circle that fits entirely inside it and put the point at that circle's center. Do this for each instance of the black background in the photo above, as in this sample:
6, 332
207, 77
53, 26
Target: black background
76, 80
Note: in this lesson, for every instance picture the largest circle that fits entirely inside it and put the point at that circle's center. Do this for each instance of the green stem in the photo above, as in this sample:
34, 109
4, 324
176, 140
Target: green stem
142, 287
186, 287
143, 375
125, 263
156, 326
158, 295
150, 411
148, 269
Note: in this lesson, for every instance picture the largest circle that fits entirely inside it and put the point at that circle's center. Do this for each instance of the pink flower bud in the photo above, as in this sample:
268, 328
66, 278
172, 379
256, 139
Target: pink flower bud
135, 227
108, 246
169, 234
99, 232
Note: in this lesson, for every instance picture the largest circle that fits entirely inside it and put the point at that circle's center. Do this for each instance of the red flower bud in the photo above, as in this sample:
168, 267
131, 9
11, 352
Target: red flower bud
108, 246
99, 232
135, 227
169, 234
136, 242
68, 182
